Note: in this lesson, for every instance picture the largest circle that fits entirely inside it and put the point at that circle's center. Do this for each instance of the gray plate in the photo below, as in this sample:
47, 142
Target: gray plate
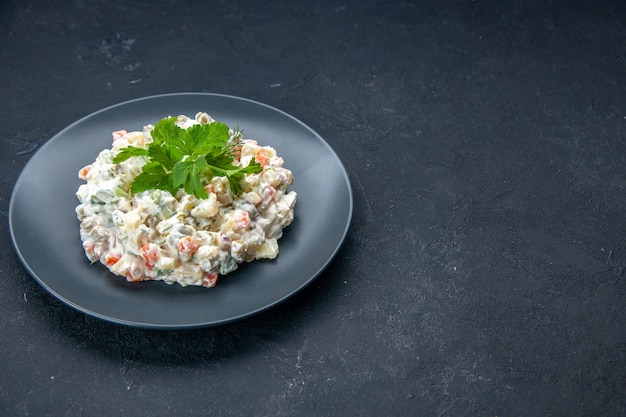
44, 227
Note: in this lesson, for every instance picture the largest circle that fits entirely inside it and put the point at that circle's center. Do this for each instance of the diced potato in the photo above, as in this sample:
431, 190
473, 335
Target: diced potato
206, 208
165, 262
267, 250
132, 220
135, 138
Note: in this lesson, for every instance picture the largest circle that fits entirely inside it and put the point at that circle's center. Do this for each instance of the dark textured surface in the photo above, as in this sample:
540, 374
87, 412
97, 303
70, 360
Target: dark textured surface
484, 270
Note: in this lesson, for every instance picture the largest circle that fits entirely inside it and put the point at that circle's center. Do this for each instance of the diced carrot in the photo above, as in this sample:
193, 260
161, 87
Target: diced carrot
89, 249
262, 158
150, 253
112, 258
237, 153
242, 219
210, 280
187, 244
82, 174
118, 134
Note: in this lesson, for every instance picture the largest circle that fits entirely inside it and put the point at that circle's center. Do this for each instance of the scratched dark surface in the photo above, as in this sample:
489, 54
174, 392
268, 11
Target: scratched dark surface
483, 273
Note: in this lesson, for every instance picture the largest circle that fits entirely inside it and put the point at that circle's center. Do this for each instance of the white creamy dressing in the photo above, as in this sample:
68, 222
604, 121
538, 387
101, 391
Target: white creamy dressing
154, 235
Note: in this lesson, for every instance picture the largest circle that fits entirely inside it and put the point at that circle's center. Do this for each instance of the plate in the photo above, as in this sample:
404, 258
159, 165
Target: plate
45, 230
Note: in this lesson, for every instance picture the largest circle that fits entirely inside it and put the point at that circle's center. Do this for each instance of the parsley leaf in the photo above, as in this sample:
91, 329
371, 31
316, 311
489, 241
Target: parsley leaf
187, 174
232, 173
165, 130
164, 156
188, 158
152, 176
129, 152
207, 137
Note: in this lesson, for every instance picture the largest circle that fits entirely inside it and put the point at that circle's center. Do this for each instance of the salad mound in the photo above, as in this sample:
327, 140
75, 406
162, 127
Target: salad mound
184, 201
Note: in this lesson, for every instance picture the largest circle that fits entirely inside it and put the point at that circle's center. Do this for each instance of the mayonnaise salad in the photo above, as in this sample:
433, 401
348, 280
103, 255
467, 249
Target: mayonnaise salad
180, 238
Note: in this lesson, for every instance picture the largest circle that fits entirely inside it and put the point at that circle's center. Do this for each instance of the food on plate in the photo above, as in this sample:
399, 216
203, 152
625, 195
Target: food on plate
184, 201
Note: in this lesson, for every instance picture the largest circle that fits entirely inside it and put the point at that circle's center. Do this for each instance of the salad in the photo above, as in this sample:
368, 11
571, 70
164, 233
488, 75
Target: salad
184, 201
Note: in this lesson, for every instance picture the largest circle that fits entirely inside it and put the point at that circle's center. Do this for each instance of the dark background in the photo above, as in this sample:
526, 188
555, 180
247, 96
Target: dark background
484, 271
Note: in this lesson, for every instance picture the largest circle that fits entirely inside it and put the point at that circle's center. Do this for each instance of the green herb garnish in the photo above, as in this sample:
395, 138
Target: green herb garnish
187, 158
